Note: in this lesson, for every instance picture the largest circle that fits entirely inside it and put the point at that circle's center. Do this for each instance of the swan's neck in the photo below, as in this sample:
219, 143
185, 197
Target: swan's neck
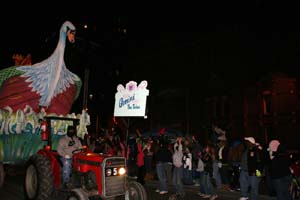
60, 49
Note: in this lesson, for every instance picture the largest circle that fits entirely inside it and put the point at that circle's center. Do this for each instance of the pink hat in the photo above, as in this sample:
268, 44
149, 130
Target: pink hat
273, 145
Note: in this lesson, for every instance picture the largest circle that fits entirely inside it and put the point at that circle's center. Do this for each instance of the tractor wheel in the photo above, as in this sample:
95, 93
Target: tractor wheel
2, 175
78, 194
136, 191
38, 178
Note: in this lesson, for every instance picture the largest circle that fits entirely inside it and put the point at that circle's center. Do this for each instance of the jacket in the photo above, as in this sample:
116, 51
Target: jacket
67, 145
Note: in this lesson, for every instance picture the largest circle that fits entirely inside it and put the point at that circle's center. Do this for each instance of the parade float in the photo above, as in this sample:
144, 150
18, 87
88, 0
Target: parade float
28, 93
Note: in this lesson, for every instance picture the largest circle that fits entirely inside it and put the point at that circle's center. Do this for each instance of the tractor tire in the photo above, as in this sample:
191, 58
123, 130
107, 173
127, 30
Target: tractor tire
78, 194
2, 175
136, 191
39, 178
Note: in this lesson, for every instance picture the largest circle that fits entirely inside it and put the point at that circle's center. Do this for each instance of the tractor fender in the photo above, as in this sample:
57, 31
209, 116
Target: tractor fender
56, 166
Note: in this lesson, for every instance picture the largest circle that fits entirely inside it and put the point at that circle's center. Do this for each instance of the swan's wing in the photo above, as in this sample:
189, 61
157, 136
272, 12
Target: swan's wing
40, 76
66, 79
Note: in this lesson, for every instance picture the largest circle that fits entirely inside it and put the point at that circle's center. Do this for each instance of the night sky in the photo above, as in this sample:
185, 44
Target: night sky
208, 46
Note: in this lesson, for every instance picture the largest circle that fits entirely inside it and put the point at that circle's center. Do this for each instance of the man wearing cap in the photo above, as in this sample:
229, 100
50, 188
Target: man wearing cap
251, 169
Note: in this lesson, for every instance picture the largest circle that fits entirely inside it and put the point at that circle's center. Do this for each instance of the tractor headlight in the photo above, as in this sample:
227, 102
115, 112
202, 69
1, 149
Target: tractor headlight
122, 171
108, 172
115, 171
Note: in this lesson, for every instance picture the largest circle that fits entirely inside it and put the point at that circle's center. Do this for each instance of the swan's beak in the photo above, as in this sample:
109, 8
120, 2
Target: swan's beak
71, 36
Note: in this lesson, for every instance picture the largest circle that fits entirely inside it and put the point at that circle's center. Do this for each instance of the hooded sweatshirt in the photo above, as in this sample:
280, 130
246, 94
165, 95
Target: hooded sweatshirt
177, 155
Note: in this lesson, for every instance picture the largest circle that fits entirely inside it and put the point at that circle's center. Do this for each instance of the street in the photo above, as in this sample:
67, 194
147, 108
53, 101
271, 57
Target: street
13, 189
191, 193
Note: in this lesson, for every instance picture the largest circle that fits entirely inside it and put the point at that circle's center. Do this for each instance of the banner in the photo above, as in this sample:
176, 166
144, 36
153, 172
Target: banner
131, 100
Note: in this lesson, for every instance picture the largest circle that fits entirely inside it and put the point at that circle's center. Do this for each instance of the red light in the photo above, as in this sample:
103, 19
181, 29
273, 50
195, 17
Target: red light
109, 163
84, 147
48, 148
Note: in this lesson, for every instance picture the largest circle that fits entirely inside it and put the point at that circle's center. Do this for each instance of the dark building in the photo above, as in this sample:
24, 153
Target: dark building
266, 110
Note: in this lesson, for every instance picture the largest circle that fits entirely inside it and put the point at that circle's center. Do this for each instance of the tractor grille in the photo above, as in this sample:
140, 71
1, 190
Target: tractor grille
114, 185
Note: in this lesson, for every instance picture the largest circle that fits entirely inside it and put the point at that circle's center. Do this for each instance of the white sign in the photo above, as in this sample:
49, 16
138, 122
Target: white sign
131, 101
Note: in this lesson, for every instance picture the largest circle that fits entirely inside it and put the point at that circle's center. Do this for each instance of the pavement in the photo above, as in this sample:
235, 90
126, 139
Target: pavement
192, 190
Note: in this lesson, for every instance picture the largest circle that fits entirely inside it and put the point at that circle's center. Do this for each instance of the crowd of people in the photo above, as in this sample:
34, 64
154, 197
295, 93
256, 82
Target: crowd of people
213, 165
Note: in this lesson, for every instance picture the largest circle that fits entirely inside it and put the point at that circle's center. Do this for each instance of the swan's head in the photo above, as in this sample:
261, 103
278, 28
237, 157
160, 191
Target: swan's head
69, 29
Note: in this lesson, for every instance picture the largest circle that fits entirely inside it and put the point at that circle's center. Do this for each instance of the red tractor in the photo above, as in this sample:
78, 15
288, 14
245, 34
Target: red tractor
94, 175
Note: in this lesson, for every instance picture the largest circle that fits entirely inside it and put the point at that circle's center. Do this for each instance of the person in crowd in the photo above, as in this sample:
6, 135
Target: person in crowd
280, 170
90, 141
196, 153
221, 135
178, 167
170, 165
187, 167
140, 161
148, 151
223, 162
132, 156
234, 158
251, 169
65, 149
106, 144
200, 170
208, 158
163, 160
